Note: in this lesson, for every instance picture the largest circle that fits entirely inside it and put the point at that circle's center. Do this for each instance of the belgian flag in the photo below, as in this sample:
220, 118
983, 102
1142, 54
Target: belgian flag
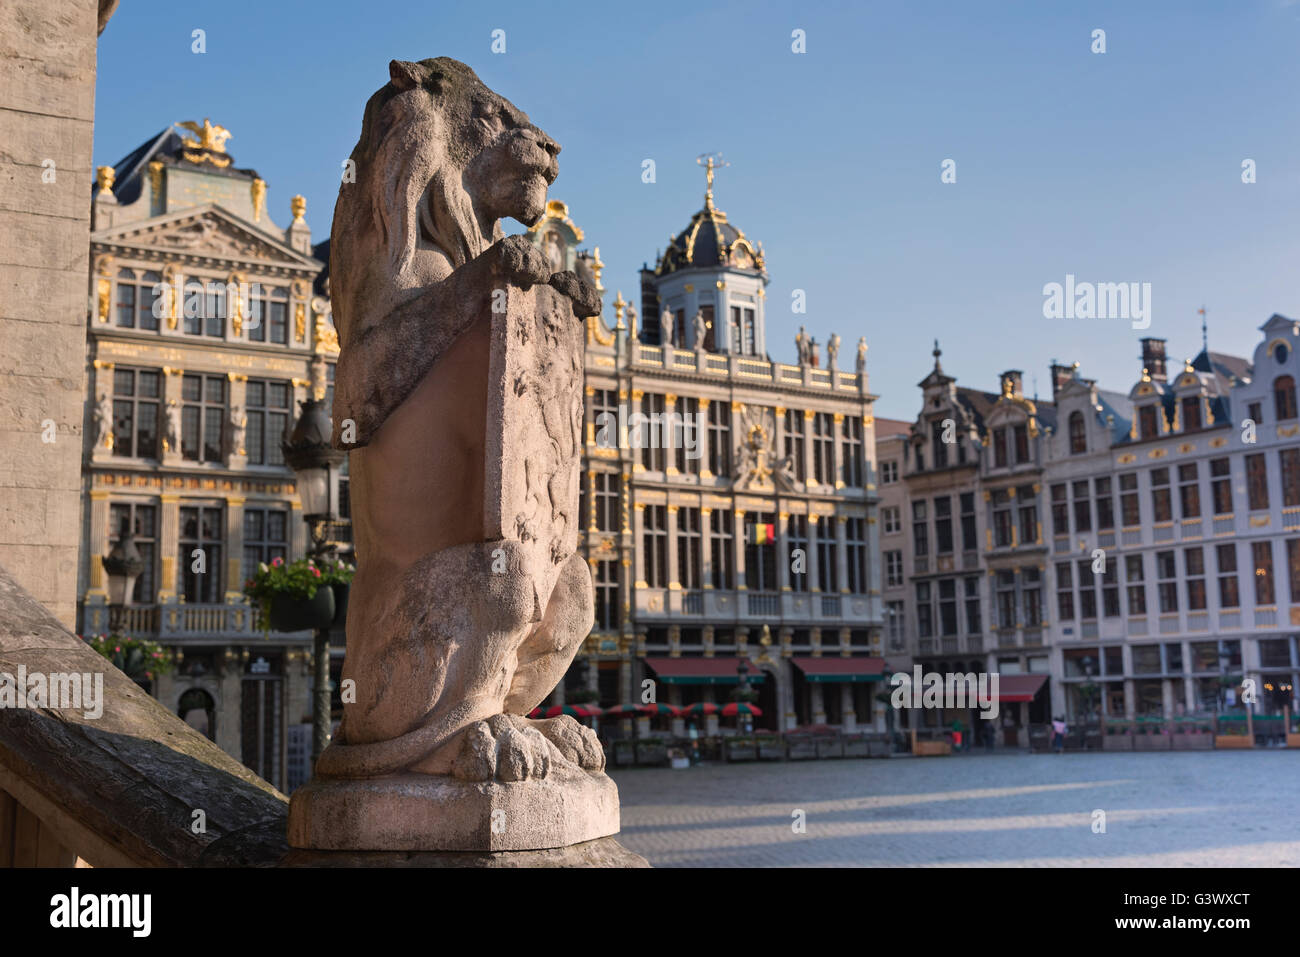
762, 534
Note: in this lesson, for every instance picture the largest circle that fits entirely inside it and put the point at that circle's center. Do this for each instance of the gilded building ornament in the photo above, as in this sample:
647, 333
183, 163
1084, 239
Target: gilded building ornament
235, 285
300, 321
104, 288
105, 175
210, 147
257, 189
298, 206
156, 179
170, 298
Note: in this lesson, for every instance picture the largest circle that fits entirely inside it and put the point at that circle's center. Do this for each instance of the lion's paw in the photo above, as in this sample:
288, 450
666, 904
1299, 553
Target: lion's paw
520, 261
497, 750
575, 742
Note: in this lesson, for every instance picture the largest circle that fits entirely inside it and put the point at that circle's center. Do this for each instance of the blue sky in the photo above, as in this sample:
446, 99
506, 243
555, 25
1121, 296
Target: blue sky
1122, 166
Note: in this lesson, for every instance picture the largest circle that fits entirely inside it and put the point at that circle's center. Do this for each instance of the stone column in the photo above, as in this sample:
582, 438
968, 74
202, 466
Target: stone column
234, 549
837, 450
808, 457
707, 635
1167, 697
230, 676
1130, 699
738, 548
638, 543
172, 401
674, 570
850, 720
706, 548
841, 554
674, 641
169, 530
814, 560
785, 684
818, 703
666, 436
704, 438
783, 552
815, 639
233, 434
846, 642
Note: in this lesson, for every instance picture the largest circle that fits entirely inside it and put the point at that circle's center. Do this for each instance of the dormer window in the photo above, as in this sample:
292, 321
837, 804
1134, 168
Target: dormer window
1284, 397
1192, 413
1078, 434
1148, 423
1000, 448
1021, 433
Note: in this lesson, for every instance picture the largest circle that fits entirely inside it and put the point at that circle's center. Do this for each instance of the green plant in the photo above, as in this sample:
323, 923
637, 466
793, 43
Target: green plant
298, 579
138, 658
582, 696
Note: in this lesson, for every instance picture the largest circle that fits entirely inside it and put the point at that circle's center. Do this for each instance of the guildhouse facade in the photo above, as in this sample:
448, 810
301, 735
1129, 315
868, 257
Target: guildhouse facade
729, 500
205, 330
1106, 553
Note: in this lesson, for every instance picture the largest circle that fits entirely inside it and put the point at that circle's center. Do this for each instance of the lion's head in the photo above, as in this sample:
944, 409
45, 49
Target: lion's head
440, 161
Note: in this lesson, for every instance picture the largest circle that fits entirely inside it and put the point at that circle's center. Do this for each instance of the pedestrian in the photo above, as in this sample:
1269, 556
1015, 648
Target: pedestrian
1058, 734
989, 733
957, 728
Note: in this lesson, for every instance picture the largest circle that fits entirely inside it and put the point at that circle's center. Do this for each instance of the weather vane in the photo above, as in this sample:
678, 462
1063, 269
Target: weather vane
711, 162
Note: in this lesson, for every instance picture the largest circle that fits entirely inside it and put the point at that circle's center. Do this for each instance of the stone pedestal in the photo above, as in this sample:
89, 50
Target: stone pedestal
421, 812
605, 852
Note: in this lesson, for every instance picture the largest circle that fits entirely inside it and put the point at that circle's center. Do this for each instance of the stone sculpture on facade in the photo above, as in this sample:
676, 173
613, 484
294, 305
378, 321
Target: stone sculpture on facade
700, 329
459, 397
666, 327
833, 352
237, 429
103, 421
801, 346
172, 427
862, 356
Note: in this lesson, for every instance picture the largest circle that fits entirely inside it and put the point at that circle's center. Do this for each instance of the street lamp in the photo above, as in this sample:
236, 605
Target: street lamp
1225, 657
316, 465
123, 566
742, 690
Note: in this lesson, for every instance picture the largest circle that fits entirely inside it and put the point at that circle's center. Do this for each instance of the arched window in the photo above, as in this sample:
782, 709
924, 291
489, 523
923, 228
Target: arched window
198, 710
1284, 397
1078, 434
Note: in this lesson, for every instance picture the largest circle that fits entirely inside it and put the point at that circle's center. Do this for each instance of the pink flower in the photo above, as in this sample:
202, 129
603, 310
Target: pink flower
315, 571
277, 562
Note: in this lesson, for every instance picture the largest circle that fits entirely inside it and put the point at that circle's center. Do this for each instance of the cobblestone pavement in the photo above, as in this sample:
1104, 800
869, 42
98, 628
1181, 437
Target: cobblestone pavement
1185, 809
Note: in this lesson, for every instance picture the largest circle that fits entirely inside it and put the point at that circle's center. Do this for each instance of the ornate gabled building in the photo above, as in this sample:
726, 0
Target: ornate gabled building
204, 333
745, 540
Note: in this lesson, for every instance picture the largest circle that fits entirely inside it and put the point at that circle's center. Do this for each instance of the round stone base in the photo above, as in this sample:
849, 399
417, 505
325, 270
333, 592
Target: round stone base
603, 852
421, 812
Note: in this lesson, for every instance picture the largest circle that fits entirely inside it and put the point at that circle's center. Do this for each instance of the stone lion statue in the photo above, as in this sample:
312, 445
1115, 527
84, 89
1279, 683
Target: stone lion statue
459, 397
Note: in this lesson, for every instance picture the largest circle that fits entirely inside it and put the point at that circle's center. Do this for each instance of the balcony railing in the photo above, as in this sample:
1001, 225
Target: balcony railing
182, 622
763, 603
692, 603
830, 606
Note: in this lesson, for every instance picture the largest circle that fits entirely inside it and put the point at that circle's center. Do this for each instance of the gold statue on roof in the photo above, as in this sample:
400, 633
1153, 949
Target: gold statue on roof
211, 137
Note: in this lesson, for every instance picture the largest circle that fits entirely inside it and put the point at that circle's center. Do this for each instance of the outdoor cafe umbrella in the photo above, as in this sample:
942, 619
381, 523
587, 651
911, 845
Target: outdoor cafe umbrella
574, 711
741, 707
701, 708
632, 710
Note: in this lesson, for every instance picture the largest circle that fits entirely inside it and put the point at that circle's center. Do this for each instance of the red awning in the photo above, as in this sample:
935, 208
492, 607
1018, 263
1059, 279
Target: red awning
837, 667
702, 670
1015, 688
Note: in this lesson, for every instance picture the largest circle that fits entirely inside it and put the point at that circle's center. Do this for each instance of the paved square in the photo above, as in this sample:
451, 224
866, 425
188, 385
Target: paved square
1185, 809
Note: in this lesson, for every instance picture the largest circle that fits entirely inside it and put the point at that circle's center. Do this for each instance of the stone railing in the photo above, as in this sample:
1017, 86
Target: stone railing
744, 367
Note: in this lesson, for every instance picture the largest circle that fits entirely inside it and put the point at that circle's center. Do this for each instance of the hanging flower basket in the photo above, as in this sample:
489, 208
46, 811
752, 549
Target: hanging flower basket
302, 614
341, 604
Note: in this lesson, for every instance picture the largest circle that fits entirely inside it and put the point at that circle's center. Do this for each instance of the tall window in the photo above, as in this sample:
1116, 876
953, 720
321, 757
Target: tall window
1078, 434
1031, 596
1221, 486
1110, 589
720, 438
1229, 595
940, 446
1130, 514
1290, 472
999, 448
1194, 564
720, 549
1136, 581
851, 450
201, 539
1105, 504
142, 521
892, 519
1167, 582
1027, 508
888, 473
1021, 433
974, 622
1189, 491
823, 439
136, 394
135, 300
924, 611
1148, 423
1002, 518
1060, 511
920, 530
652, 433
943, 525
204, 309
1064, 591
688, 463
266, 537
606, 501
1082, 506
855, 541
794, 442
689, 568
603, 410
1293, 568
796, 539
828, 574
760, 552
893, 568
203, 417
1256, 481
655, 546
277, 315
1006, 591
1162, 509
1191, 406
268, 418
607, 613
1284, 397
968, 541
948, 606
1262, 553
1088, 581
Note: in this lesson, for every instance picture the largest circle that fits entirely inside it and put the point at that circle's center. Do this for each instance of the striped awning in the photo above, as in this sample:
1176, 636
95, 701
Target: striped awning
702, 671
841, 669
1015, 688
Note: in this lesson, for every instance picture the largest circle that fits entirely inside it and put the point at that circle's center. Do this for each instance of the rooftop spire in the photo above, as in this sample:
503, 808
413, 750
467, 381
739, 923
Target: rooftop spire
1205, 334
711, 163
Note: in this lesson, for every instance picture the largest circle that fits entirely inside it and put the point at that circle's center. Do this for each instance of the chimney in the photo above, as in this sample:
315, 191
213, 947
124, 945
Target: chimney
1153, 358
1060, 375
1011, 382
